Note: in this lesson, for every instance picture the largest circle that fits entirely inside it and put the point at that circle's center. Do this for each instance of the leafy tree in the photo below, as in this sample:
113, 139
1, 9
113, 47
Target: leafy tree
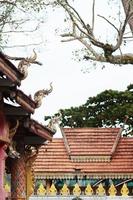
107, 109
94, 48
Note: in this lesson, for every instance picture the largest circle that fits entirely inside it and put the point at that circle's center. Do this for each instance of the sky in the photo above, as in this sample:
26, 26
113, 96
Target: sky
73, 82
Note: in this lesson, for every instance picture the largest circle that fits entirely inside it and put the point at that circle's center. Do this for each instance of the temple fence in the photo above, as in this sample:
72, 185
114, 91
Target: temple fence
88, 191
81, 197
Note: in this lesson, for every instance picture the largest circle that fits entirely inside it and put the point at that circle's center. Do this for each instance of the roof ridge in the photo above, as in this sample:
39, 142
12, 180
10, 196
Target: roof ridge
118, 138
65, 141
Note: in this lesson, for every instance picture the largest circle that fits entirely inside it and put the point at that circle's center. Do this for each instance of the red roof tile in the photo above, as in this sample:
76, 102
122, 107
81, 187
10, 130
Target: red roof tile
54, 158
90, 141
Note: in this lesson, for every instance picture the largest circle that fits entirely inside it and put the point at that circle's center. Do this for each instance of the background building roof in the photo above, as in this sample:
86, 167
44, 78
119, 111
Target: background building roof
54, 160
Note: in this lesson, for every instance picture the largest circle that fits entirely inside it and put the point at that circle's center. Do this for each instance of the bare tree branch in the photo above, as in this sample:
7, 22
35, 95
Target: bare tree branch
93, 15
8, 2
22, 31
84, 33
109, 23
121, 32
21, 45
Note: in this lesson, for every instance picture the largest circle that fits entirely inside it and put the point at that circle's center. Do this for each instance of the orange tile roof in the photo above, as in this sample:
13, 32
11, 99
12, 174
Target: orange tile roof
90, 141
54, 158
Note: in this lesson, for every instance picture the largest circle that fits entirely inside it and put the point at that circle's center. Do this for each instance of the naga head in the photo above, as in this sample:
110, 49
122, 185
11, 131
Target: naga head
25, 63
39, 95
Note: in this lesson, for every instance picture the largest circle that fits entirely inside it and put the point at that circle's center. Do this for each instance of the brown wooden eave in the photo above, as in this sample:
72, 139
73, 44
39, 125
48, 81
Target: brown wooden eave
25, 101
40, 130
9, 90
14, 112
7, 68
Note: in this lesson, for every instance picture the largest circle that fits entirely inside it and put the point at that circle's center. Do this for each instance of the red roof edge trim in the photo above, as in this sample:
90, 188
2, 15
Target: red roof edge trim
42, 133
10, 70
9, 73
25, 101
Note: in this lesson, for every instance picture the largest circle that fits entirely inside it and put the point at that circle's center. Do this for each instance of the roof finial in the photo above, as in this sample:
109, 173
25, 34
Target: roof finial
53, 121
39, 95
25, 63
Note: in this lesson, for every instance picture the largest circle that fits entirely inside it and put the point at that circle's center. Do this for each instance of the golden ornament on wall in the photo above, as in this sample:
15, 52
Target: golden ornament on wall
88, 190
112, 190
65, 191
76, 190
41, 190
52, 190
7, 187
100, 191
124, 190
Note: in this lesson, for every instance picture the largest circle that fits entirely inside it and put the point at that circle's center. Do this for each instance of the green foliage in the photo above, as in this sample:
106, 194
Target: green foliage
107, 109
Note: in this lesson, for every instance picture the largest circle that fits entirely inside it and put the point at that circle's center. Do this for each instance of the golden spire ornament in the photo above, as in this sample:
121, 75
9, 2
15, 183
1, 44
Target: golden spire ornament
7, 187
112, 190
65, 191
52, 190
88, 190
41, 190
124, 190
76, 190
100, 190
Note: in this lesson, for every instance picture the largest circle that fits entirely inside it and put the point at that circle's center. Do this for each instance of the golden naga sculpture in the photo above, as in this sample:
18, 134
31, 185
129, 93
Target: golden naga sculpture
100, 191
124, 190
25, 63
39, 95
52, 190
41, 190
112, 190
76, 190
89, 190
65, 191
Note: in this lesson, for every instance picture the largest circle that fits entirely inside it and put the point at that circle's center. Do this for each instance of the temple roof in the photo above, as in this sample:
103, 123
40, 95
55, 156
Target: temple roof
54, 161
10, 79
17, 106
8, 69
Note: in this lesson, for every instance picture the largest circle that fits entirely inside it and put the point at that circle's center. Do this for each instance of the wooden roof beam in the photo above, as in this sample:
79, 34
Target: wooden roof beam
39, 129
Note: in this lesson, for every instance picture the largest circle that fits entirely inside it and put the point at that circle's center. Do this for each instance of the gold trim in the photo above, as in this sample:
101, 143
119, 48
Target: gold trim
80, 176
91, 158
